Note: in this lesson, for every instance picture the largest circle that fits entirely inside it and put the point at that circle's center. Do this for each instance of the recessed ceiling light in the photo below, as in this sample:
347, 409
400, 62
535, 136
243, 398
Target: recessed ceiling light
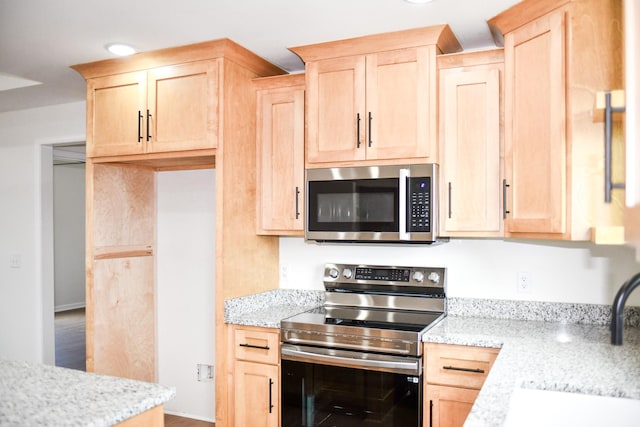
120, 49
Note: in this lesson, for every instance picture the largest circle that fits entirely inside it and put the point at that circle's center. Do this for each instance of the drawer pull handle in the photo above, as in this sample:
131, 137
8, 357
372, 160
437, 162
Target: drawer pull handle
454, 368
261, 347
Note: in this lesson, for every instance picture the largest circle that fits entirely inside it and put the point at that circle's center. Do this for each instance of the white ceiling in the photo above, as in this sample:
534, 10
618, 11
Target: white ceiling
40, 39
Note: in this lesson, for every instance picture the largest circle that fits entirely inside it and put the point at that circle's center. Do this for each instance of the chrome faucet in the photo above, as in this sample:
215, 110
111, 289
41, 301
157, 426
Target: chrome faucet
617, 310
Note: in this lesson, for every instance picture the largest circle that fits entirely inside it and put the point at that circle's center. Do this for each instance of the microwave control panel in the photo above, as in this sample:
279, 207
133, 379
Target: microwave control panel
419, 200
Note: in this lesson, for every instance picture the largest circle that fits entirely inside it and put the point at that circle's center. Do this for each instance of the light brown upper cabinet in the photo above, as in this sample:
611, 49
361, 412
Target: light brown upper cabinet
558, 55
164, 109
470, 143
632, 123
372, 99
280, 148
166, 101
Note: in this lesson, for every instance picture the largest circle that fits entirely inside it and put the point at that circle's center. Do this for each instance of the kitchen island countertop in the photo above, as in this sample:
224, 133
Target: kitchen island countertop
33, 394
540, 355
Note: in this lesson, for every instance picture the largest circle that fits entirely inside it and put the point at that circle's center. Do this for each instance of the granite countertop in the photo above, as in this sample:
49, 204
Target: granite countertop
267, 309
33, 394
546, 346
542, 355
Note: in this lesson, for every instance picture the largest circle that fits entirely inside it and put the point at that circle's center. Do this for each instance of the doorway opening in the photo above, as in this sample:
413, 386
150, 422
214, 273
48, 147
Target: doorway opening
67, 206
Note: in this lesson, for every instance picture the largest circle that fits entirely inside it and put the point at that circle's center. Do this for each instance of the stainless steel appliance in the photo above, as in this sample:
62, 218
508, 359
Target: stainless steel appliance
372, 203
357, 361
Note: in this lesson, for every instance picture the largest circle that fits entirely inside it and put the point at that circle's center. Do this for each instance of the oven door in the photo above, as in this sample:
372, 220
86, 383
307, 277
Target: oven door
341, 388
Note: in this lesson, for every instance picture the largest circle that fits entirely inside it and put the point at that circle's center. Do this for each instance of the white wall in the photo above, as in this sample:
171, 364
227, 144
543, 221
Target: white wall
185, 285
21, 294
69, 234
568, 272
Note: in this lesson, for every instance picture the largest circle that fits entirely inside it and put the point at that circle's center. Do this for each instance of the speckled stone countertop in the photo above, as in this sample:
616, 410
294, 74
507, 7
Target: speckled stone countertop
34, 394
556, 356
267, 309
547, 346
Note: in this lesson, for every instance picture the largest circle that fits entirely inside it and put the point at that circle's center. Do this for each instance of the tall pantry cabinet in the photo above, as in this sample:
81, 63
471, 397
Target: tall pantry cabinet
197, 111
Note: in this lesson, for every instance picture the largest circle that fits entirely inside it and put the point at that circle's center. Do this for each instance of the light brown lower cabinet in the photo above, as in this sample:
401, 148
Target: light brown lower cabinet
454, 375
448, 406
256, 377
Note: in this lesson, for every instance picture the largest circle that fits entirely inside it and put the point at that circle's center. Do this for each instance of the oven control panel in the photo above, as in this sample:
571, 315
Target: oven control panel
369, 274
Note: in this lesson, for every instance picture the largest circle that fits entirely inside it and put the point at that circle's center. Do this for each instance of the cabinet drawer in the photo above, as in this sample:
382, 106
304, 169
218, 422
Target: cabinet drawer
256, 345
457, 365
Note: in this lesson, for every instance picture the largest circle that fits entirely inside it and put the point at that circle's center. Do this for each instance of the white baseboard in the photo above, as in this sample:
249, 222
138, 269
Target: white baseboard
65, 307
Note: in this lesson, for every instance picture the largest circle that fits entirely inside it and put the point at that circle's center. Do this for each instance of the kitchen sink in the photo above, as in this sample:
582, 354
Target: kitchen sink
529, 407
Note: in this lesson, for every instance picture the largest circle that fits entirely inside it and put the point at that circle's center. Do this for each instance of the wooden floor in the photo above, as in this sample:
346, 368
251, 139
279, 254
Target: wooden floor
70, 339
71, 353
175, 421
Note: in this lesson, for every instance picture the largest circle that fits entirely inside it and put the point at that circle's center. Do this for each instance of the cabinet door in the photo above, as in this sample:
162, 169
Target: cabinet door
447, 406
400, 104
121, 309
116, 106
121, 325
335, 110
470, 152
280, 124
256, 395
535, 126
183, 107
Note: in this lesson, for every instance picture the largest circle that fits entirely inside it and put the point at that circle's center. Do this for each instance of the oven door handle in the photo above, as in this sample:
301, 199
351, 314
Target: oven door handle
351, 359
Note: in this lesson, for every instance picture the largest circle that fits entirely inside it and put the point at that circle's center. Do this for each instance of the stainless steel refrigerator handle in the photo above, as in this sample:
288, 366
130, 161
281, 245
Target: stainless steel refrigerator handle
311, 355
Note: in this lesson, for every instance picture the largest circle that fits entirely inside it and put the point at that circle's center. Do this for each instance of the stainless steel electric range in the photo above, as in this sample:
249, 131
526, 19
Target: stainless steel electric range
357, 361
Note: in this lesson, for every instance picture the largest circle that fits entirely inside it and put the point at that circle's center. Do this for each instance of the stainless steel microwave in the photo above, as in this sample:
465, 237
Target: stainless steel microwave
372, 203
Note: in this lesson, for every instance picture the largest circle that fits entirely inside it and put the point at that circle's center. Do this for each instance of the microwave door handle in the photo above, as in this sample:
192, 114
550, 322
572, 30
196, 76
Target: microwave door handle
402, 205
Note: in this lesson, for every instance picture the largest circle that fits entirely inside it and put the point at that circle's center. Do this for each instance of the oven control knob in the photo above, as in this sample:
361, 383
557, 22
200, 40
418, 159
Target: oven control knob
347, 273
418, 276
334, 273
433, 277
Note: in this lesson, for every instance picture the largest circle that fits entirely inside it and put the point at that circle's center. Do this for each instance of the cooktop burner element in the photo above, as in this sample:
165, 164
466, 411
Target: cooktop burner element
372, 308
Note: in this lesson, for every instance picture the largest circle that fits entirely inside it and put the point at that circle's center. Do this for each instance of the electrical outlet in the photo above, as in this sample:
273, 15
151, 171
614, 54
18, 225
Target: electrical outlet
15, 261
205, 372
523, 282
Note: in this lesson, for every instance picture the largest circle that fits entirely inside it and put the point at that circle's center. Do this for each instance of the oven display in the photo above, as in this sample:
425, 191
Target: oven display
385, 274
